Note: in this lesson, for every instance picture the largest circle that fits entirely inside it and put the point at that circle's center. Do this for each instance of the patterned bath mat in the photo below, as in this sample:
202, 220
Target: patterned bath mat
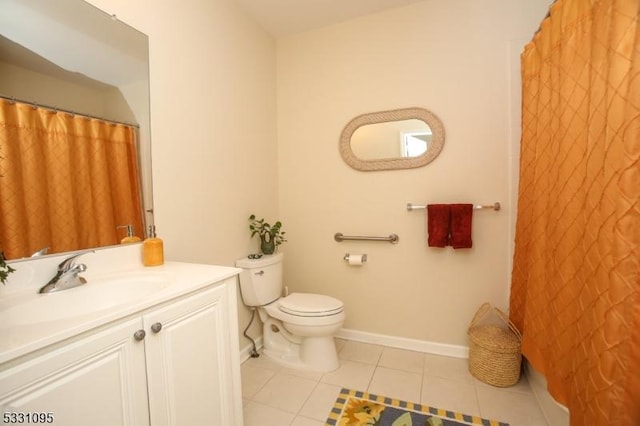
355, 408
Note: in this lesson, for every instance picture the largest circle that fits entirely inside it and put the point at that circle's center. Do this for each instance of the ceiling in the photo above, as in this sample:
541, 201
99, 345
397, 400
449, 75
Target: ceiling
277, 17
285, 17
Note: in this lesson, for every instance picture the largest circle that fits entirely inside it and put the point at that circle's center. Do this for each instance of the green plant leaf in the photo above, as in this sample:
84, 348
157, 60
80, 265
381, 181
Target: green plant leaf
5, 269
263, 228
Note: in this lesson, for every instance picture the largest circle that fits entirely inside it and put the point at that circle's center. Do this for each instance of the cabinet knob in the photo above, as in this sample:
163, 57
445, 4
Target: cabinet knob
139, 335
156, 327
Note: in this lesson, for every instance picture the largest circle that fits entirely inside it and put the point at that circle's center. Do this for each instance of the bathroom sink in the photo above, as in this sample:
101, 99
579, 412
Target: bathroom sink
98, 294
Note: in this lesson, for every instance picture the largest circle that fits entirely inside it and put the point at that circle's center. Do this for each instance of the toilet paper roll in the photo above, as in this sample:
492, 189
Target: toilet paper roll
357, 259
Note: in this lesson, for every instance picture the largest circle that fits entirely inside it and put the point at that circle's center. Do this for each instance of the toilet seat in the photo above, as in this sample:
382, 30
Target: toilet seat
310, 305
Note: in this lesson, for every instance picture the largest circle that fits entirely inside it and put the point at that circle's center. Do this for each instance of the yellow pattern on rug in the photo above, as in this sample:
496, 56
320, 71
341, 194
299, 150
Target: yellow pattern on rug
356, 408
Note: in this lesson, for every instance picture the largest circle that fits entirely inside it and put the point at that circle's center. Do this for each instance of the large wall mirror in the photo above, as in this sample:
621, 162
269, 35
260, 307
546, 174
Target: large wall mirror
396, 139
72, 56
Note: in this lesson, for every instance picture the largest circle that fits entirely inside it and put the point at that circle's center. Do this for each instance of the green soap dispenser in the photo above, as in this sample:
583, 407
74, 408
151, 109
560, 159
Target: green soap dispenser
130, 238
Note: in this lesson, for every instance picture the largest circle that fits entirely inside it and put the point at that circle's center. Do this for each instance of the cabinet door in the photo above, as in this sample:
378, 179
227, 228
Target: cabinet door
96, 380
190, 366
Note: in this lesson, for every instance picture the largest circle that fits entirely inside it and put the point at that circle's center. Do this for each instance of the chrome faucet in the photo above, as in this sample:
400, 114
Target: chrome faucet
41, 252
67, 275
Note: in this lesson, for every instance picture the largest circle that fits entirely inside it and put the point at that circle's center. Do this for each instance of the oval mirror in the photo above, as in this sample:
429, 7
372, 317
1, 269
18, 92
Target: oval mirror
388, 140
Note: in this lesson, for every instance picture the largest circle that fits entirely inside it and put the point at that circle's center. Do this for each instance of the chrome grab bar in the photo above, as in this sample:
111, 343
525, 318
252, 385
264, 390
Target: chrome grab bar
339, 237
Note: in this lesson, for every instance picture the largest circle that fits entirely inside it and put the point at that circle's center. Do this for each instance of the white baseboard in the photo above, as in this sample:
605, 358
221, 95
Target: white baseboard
385, 340
405, 343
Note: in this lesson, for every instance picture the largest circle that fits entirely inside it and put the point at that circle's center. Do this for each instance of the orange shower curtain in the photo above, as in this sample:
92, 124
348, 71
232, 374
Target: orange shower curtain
575, 290
66, 181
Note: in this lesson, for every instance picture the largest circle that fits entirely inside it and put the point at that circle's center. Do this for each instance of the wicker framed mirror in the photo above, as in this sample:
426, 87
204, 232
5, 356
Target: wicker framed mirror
390, 140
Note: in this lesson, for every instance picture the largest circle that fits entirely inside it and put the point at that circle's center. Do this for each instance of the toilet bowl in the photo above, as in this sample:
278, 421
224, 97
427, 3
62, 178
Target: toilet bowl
298, 329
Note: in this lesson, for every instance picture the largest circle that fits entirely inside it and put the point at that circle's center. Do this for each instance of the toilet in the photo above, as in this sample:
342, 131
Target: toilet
298, 329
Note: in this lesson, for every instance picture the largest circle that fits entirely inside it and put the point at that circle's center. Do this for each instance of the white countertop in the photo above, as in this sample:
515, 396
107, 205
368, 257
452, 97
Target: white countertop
23, 331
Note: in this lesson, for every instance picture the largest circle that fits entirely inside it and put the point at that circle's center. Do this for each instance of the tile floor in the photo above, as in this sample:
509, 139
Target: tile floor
278, 396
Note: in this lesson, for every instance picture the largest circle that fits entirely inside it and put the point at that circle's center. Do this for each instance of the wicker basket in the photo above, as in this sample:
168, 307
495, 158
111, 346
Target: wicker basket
494, 349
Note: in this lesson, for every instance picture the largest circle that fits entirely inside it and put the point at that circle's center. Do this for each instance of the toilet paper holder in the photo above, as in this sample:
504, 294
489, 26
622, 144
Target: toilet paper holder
364, 257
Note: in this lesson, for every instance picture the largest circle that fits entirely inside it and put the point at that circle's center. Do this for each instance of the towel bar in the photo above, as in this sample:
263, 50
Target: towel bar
494, 206
393, 238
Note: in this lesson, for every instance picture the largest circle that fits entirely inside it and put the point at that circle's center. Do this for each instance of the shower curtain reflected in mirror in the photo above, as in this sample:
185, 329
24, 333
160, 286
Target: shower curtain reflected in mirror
66, 181
575, 291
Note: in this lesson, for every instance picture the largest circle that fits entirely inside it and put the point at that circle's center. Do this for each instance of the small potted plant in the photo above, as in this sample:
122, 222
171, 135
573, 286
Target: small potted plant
5, 269
270, 236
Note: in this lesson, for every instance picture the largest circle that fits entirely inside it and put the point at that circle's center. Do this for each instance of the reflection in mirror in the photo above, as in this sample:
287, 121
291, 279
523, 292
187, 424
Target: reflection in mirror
73, 57
402, 138
397, 139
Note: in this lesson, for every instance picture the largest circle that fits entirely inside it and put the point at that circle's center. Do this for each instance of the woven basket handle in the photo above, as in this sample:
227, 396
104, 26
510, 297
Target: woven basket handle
507, 321
480, 314
482, 311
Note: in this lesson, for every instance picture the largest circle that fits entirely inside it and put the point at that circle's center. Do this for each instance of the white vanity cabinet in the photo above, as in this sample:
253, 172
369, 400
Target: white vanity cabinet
173, 364
99, 379
193, 367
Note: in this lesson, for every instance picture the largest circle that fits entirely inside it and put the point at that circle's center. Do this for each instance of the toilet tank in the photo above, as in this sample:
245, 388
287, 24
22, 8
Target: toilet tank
260, 279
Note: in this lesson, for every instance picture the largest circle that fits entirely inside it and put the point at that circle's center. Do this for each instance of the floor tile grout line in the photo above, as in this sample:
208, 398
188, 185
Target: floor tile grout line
303, 404
422, 376
275, 373
375, 368
475, 391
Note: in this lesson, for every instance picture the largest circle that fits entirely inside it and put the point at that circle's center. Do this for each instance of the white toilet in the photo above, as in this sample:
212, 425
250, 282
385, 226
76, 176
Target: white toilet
298, 329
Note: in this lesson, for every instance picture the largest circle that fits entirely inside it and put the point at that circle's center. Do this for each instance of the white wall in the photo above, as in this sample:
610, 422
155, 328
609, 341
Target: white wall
213, 116
216, 160
454, 58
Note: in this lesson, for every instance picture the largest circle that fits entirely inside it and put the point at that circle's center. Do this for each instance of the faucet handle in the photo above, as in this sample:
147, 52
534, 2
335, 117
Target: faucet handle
68, 263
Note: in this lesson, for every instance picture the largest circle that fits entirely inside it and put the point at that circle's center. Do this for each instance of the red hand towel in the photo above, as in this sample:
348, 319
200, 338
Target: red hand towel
438, 225
461, 215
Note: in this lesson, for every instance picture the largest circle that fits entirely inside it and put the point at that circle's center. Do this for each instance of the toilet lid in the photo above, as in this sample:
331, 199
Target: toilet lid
310, 305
